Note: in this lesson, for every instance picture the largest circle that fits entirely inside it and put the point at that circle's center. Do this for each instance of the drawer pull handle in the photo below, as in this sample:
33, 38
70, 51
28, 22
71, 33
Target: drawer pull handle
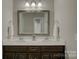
33, 49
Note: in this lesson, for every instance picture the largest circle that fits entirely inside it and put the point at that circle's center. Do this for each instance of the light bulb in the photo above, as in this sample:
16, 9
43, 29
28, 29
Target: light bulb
39, 4
33, 4
27, 4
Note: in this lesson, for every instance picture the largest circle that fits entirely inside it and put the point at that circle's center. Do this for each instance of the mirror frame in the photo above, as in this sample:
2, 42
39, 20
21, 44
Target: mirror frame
19, 11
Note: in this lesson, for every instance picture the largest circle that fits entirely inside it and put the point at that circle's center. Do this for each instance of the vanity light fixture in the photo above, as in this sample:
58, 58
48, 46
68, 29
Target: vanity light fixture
34, 4
27, 4
39, 4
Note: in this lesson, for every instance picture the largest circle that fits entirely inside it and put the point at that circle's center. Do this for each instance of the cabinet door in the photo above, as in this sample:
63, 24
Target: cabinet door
46, 56
9, 55
58, 56
21, 56
34, 56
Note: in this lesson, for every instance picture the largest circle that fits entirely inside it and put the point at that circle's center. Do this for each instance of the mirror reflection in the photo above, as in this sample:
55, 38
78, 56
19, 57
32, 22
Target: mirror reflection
33, 22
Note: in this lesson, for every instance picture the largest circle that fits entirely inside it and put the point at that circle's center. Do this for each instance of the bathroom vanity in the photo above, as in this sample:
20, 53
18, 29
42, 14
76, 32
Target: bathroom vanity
34, 52
28, 27
34, 24
46, 49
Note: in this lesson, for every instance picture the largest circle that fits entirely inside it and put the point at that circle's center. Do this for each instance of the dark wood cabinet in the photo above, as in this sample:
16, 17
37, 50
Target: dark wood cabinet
20, 56
9, 55
33, 52
34, 56
58, 56
46, 56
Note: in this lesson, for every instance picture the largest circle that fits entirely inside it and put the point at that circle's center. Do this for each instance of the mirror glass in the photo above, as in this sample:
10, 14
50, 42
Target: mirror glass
33, 22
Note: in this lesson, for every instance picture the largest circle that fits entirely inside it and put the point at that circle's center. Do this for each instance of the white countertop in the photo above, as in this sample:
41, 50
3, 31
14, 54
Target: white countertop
44, 42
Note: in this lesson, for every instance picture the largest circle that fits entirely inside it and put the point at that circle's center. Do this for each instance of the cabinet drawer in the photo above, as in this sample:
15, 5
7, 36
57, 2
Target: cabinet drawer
46, 49
46, 56
15, 49
52, 49
33, 49
9, 55
21, 56
34, 56
58, 56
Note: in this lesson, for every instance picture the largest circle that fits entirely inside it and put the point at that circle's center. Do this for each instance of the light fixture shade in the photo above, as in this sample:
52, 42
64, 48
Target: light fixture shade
39, 4
27, 4
33, 4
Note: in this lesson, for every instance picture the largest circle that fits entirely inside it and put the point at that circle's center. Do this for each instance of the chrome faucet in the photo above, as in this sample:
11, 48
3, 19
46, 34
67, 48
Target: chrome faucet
34, 38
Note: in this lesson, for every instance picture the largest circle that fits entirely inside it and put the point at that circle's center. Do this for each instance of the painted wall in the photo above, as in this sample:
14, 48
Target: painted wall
66, 14
7, 14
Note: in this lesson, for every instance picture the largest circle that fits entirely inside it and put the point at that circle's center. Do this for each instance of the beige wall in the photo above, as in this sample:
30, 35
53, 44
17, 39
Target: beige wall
66, 14
7, 14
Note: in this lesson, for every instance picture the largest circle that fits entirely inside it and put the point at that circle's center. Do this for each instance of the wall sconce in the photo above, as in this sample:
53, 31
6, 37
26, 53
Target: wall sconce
33, 4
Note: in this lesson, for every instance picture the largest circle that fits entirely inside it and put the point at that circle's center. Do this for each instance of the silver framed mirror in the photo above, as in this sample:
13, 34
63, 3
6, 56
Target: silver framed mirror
33, 22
